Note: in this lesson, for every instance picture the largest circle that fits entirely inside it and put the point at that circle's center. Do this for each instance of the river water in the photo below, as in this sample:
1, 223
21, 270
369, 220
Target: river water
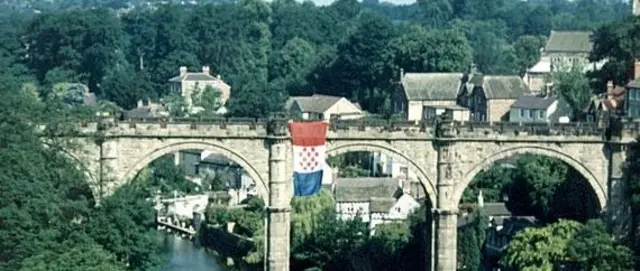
184, 255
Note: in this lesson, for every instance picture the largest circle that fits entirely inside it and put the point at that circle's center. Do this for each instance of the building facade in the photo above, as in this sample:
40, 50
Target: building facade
417, 91
186, 83
540, 109
489, 97
323, 107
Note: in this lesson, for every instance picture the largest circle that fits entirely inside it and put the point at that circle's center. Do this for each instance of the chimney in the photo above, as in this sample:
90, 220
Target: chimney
140, 103
480, 199
183, 71
401, 74
636, 69
205, 69
219, 77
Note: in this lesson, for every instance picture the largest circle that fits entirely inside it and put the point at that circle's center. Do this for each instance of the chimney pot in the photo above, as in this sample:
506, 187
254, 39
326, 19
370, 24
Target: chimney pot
183, 70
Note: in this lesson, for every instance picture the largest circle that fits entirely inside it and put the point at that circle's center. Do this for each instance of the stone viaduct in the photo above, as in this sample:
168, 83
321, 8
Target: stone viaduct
445, 156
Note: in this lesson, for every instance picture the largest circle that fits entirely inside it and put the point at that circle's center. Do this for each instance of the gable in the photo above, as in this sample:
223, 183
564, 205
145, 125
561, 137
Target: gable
343, 106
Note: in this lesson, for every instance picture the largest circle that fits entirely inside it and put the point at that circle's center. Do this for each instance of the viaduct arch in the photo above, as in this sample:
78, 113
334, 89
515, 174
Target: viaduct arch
217, 148
596, 183
337, 148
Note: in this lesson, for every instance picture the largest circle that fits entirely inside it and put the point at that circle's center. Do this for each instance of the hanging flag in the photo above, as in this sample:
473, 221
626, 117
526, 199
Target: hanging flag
308, 140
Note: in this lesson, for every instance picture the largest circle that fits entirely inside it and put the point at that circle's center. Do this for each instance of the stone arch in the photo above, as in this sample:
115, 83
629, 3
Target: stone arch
488, 162
426, 182
92, 181
146, 159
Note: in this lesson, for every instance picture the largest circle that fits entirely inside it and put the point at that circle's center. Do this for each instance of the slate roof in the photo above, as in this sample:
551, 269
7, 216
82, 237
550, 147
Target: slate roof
218, 159
431, 86
534, 102
504, 87
381, 205
363, 189
316, 103
193, 76
634, 84
569, 42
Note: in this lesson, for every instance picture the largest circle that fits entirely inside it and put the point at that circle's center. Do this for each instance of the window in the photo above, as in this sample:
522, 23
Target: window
542, 113
521, 113
398, 209
530, 113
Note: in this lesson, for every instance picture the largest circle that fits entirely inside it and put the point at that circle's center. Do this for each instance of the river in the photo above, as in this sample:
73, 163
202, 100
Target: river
184, 255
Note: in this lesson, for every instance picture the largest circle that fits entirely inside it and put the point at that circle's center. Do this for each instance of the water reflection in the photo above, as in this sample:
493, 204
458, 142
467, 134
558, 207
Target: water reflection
184, 255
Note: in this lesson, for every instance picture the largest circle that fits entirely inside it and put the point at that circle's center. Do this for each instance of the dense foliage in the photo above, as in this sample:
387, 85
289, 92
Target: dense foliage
267, 51
49, 218
589, 246
320, 240
544, 187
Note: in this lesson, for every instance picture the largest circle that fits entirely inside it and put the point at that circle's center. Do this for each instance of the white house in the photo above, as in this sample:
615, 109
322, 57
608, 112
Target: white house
539, 109
391, 210
323, 107
374, 200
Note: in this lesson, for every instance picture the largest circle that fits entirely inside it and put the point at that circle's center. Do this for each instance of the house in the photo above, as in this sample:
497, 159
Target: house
563, 50
390, 210
323, 107
186, 82
146, 109
632, 98
454, 112
502, 227
489, 97
536, 108
374, 200
605, 105
419, 90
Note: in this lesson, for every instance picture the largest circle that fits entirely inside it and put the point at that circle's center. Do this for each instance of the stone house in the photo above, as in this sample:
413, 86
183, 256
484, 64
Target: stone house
606, 104
632, 98
417, 91
322, 107
489, 97
186, 82
562, 50
534, 108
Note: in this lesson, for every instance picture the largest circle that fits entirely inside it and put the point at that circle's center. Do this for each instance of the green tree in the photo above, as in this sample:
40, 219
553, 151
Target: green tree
468, 253
573, 85
420, 50
208, 99
527, 48
540, 248
83, 257
593, 247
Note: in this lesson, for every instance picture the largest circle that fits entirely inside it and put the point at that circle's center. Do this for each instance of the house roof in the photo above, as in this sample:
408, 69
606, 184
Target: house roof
217, 159
543, 66
528, 101
363, 189
634, 84
381, 205
194, 76
316, 103
431, 86
500, 86
569, 42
